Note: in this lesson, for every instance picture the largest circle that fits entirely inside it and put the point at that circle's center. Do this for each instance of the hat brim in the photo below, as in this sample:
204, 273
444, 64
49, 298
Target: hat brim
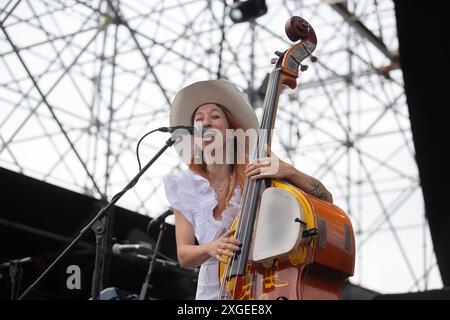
220, 92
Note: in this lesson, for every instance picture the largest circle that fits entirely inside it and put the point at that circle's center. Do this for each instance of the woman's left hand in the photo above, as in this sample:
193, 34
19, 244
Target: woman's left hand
268, 167
272, 167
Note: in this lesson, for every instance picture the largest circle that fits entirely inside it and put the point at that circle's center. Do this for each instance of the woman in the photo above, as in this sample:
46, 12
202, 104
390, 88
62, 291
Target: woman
206, 198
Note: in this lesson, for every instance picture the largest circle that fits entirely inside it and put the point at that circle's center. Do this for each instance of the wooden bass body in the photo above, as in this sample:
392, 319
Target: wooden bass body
316, 267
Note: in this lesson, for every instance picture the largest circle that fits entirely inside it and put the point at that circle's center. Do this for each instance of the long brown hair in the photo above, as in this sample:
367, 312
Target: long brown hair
238, 170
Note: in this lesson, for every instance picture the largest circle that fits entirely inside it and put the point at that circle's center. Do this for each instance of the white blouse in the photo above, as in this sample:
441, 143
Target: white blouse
195, 198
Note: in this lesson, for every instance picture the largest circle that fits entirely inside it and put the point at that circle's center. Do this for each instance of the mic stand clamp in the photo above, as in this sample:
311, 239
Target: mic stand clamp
143, 294
15, 274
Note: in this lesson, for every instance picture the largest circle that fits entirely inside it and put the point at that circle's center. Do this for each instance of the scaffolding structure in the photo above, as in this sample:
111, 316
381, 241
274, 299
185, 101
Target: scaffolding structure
81, 81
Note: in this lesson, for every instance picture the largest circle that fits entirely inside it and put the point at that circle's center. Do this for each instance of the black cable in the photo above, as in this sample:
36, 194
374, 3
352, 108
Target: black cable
162, 129
139, 163
137, 147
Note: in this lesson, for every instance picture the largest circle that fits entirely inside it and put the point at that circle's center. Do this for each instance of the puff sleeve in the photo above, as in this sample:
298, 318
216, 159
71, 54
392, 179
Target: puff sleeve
173, 185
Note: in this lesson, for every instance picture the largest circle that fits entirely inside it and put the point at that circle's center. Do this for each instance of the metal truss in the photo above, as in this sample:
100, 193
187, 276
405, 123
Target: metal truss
81, 81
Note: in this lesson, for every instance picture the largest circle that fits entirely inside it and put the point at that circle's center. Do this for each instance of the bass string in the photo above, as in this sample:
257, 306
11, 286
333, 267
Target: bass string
223, 290
268, 120
264, 136
251, 189
239, 230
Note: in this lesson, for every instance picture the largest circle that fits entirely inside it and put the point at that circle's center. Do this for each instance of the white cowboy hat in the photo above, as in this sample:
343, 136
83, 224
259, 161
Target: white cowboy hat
221, 92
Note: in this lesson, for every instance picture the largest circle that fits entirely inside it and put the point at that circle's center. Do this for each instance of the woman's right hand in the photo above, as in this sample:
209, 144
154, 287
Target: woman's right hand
217, 248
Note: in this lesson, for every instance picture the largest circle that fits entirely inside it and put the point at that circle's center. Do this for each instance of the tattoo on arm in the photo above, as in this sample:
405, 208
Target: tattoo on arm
319, 191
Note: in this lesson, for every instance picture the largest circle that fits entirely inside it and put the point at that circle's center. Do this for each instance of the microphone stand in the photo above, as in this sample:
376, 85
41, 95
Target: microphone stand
162, 228
15, 274
97, 274
101, 231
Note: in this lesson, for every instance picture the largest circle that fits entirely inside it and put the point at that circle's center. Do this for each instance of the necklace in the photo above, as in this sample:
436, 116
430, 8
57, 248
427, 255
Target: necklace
220, 187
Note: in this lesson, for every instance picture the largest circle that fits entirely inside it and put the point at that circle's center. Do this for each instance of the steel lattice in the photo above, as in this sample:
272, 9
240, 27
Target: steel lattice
82, 81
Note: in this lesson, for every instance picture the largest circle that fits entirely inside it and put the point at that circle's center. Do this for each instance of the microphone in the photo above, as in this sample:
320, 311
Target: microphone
196, 129
143, 248
160, 219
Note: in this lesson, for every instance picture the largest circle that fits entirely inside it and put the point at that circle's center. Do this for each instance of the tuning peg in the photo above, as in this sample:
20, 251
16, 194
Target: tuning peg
303, 67
313, 58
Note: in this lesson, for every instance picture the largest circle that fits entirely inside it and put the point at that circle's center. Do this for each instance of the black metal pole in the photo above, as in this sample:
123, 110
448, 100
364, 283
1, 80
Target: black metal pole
99, 215
162, 228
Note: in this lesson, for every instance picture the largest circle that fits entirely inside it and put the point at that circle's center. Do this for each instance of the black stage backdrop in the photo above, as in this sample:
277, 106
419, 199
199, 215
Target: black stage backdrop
423, 28
38, 219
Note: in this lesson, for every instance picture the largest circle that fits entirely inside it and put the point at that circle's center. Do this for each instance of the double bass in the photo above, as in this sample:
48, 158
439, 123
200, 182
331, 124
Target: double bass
293, 246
